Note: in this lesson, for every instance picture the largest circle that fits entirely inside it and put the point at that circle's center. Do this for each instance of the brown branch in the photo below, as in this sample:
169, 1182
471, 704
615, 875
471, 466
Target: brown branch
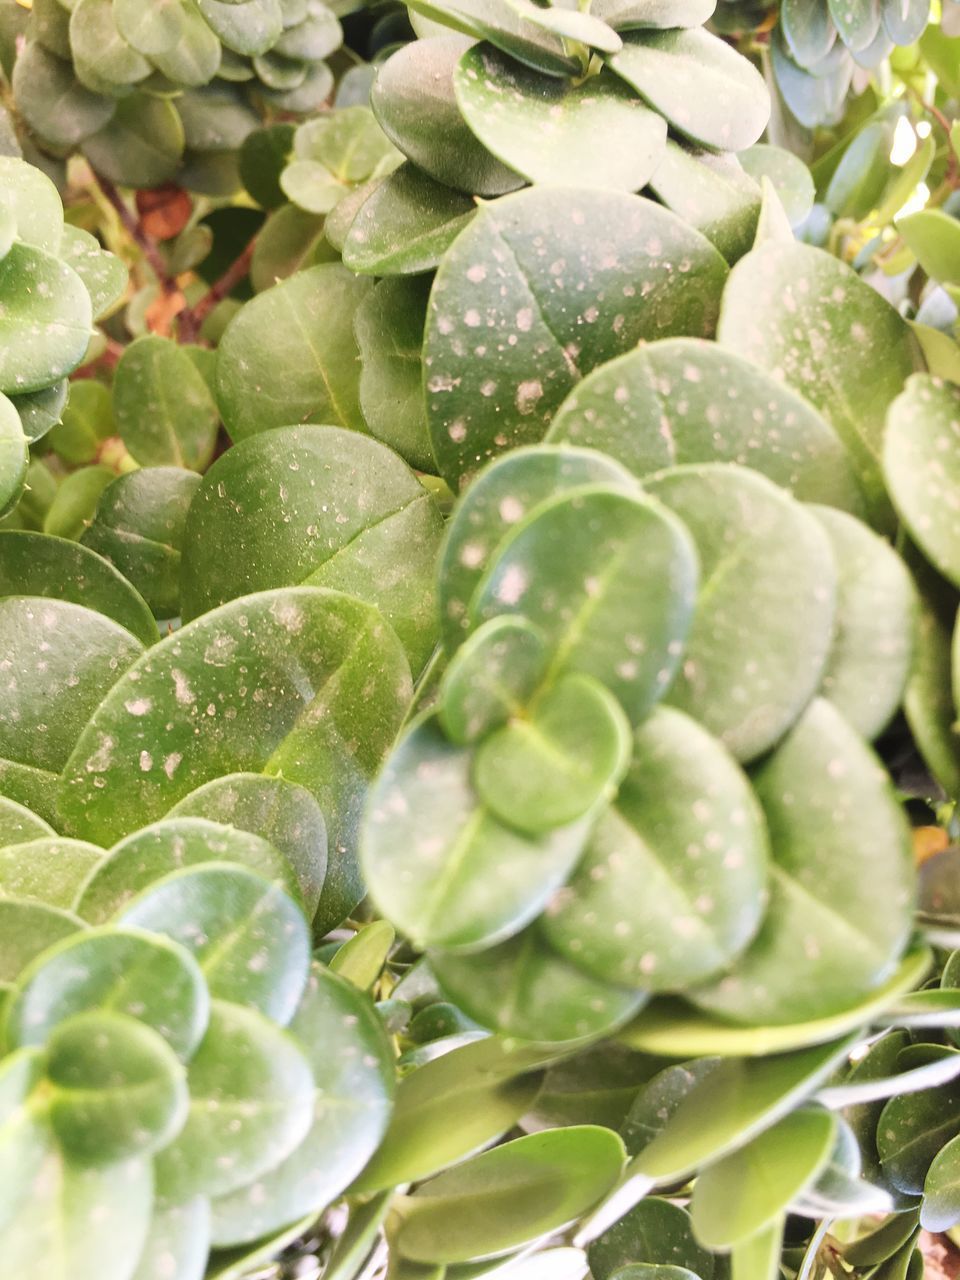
946, 126
145, 243
193, 317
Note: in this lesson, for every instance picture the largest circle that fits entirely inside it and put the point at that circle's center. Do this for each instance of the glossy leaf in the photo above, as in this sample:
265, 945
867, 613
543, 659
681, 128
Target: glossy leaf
353, 1078
779, 307
761, 554
606, 294
524, 988
342, 504
290, 356
325, 659
126, 970
911, 1132
687, 401
673, 882
841, 885
46, 319
459, 878
941, 1190
655, 1234
247, 935
251, 1093
491, 678
510, 1195
42, 565
545, 128
165, 413
278, 811
117, 1088
47, 869
29, 928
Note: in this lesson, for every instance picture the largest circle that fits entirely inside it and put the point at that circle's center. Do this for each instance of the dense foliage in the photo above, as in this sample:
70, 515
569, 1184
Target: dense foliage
479, 561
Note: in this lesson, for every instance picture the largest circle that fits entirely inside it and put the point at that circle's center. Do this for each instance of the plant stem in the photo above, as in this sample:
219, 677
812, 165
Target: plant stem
132, 225
193, 317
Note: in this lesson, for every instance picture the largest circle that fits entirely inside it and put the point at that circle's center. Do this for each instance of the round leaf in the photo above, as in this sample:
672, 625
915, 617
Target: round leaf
673, 883
28, 929
249, 938
491, 677
546, 128
124, 970
748, 671
45, 319
539, 319
656, 1233
165, 413
686, 401
141, 145
117, 1088
48, 869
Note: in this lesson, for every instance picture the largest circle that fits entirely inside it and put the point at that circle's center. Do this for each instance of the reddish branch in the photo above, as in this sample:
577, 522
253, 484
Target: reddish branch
145, 243
193, 317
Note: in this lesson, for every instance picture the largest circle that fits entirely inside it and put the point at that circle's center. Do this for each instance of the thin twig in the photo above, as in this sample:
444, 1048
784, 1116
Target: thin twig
193, 317
946, 125
144, 242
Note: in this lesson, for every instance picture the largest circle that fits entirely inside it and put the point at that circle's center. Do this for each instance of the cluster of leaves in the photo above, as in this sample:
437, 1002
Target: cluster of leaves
153, 91
459, 656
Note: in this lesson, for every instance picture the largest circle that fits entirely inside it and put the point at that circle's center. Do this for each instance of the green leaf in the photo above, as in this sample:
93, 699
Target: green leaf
75, 501
14, 456
138, 526
748, 671
41, 565
790, 176
100, 53
349, 142
451, 1107
66, 658
733, 1103
85, 423
360, 959
18, 824
838, 1190
289, 241
655, 1233
116, 1088
40, 410
45, 321
248, 936
524, 988
842, 882
615, 605
518, 27
28, 929
704, 88
345, 503
671, 1028
289, 356
263, 155
872, 651
53, 101
673, 883
153, 30
857, 21
941, 1190
405, 225
928, 702
47, 869
779, 307
859, 180
561, 760
352, 1065
442, 867
921, 458
506, 491
167, 846
626, 14
546, 128
758, 1258
278, 811
808, 29
165, 413
125, 970
179, 1238
311, 186
141, 145
315, 660
491, 677
24, 1133
683, 400
389, 330
87, 1223
712, 194
33, 202
593, 299
414, 101
740, 1195
912, 1131
251, 1096
249, 29
505, 1197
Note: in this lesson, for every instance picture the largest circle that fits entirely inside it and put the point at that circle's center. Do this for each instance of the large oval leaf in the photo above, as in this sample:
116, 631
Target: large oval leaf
673, 882
538, 314
748, 671
318, 505
842, 883
811, 321
45, 323
683, 400
290, 356
325, 689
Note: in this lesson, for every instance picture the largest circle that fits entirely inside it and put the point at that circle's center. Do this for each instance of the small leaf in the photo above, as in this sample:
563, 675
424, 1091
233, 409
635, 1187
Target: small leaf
654, 1234
360, 959
164, 411
491, 677
47, 869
